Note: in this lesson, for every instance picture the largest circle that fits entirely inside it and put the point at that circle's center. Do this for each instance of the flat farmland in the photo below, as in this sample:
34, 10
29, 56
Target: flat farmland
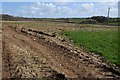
57, 50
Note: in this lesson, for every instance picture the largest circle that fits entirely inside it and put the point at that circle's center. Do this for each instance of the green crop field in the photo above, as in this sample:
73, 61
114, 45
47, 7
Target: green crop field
102, 42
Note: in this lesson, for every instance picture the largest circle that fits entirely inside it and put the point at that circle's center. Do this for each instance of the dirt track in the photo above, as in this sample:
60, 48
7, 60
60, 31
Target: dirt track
29, 54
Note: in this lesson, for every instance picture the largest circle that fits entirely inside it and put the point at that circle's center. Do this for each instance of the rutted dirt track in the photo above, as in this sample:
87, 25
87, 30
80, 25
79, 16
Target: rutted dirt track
32, 54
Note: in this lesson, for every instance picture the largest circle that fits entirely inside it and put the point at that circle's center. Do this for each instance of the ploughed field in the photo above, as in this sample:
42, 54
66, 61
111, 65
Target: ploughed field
38, 50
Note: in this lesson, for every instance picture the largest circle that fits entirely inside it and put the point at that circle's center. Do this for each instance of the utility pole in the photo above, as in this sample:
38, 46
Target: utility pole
108, 14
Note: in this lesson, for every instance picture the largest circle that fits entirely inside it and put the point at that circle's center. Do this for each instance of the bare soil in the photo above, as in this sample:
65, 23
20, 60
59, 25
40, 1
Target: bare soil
0, 50
30, 53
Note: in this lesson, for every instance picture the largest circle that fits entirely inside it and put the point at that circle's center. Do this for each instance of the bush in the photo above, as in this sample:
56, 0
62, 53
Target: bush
100, 19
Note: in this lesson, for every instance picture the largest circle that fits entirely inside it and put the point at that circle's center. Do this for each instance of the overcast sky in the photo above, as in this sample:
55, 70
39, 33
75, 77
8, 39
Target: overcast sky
60, 9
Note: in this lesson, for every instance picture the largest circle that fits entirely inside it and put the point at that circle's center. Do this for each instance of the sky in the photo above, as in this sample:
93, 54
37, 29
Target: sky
61, 8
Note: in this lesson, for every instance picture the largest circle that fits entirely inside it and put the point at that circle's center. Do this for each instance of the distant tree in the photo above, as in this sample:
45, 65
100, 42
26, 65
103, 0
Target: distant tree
100, 19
